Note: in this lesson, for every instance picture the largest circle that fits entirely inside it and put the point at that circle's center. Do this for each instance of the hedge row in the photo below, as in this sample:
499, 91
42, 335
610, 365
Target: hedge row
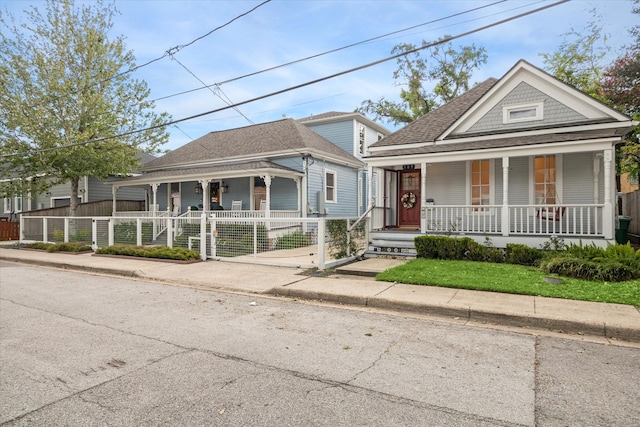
614, 263
162, 252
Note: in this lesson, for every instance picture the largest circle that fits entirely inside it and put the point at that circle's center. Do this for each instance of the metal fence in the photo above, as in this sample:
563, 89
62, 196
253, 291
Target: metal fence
301, 242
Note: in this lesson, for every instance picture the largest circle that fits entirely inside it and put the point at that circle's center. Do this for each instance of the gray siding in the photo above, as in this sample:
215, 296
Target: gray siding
518, 181
554, 112
577, 184
446, 183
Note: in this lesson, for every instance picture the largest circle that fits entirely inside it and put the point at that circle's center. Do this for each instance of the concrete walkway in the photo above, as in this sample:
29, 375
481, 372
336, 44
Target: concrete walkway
353, 285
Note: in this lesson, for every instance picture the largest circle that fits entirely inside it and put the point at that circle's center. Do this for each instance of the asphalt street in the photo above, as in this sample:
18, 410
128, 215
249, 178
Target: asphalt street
82, 349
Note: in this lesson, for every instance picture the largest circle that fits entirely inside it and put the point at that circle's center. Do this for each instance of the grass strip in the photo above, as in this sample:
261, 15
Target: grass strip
509, 278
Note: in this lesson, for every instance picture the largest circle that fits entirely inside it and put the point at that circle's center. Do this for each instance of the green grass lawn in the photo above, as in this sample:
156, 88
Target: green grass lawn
509, 278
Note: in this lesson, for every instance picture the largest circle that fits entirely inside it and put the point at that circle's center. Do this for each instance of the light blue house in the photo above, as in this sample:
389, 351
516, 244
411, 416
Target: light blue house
354, 133
281, 166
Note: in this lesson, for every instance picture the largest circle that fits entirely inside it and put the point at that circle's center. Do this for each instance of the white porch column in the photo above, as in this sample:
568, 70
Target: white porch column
596, 177
206, 201
154, 189
423, 198
298, 187
608, 212
505, 197
114, 191
267, 182
370, 201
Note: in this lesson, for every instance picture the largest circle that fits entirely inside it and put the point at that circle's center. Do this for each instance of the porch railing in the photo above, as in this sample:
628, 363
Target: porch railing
573, 220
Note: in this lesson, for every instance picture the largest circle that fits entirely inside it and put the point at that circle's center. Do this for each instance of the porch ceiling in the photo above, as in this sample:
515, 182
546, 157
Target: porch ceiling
230, 170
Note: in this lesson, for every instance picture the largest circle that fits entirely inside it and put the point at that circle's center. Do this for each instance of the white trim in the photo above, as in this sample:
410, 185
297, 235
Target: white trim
520, 151
508, 110
334, 187
554, 88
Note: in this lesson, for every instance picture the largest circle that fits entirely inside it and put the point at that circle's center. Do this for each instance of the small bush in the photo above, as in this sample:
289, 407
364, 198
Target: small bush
523, 254
297, 239
607, 271
162, 252
61, 247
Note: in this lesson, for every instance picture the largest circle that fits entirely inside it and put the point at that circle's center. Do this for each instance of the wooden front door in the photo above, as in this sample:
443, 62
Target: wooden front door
409, 198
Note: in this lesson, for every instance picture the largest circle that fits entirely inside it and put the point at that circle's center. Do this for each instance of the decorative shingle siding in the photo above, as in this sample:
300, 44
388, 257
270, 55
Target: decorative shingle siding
554, 112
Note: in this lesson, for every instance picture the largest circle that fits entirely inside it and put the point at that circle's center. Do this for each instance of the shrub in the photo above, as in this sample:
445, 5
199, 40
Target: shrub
339, 244
607, 271
297, 239
522, 254
61, 247
162, 252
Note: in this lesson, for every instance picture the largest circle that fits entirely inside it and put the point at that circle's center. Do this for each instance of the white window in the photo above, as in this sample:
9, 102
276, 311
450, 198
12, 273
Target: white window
522, 113
361, 140
330, 191
545, 180
480, 173
8, 205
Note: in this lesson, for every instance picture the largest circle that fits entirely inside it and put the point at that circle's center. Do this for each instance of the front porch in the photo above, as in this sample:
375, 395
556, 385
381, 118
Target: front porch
531, 225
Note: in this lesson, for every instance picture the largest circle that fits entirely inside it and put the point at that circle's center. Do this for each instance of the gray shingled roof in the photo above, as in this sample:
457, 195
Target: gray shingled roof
430, 126
264, 140
209, 171
327, 115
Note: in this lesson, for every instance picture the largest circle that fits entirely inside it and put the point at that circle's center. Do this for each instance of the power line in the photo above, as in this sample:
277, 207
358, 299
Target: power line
328, 52
168, 52
309, 83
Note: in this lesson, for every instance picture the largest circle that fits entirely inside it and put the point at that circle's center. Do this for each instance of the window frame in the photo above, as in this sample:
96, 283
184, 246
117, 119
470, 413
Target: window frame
479, 209
328, 172
507, 110
558, 182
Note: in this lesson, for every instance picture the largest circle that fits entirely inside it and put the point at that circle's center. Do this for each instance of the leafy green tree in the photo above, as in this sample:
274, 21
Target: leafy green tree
578, 60
449, 68
66, 99
621, 88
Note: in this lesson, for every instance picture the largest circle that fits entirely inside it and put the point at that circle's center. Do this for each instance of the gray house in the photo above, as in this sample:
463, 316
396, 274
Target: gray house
521, 159
278, 166
90, 189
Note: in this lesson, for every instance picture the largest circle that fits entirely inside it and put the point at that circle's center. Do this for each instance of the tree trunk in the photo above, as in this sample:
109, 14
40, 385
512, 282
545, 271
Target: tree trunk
73, 203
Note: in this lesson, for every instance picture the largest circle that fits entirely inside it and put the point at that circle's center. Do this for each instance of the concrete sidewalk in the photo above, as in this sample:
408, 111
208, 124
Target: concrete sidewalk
590, 318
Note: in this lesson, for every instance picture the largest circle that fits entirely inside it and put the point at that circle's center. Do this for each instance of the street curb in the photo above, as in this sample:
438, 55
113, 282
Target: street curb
469, 314
63, 266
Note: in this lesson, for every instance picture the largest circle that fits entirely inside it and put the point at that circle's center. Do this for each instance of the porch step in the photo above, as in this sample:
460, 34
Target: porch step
391, 244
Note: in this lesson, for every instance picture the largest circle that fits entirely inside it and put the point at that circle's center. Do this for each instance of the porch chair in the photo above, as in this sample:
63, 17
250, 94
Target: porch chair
551, 213
236, 205
263, 204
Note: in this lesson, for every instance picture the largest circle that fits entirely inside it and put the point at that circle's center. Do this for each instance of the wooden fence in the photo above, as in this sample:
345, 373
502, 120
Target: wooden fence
9, 230
99, 208
631, 208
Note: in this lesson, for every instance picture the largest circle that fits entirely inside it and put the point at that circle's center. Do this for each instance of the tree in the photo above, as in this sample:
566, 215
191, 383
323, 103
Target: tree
578, 59
621, 88
66, 99
449, 68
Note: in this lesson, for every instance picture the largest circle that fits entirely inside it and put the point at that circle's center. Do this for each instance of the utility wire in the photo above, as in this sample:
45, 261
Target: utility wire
327, 52
309, 83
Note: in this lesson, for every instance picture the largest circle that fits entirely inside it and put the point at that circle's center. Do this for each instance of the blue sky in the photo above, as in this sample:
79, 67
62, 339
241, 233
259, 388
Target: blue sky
282, 31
